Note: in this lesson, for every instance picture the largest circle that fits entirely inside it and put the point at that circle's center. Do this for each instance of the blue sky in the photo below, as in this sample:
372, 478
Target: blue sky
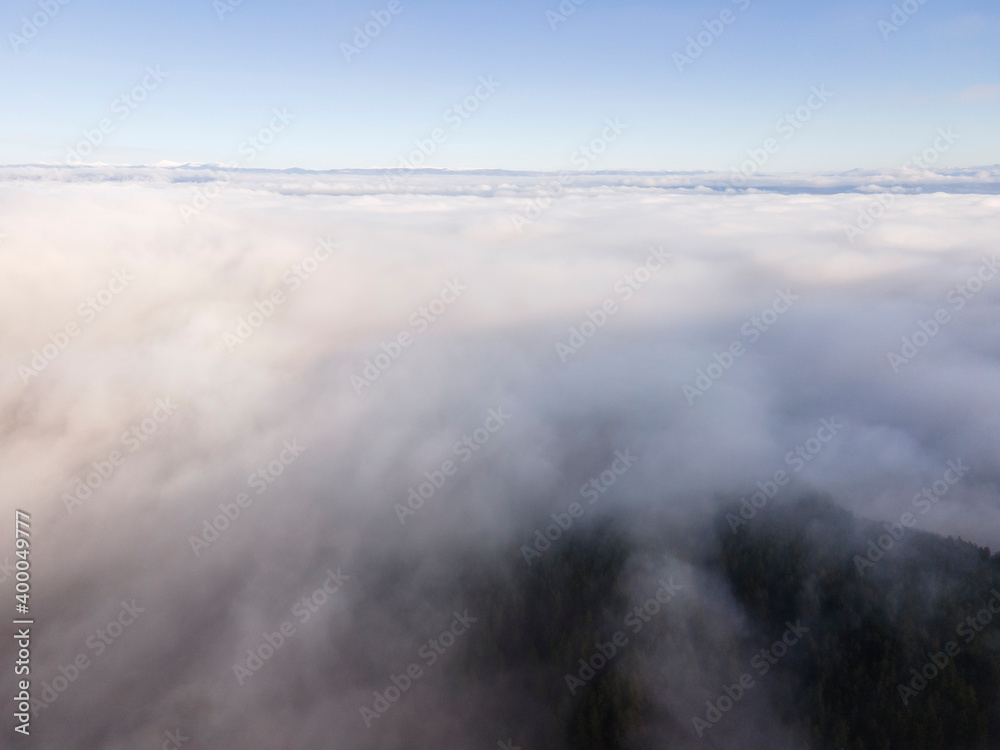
557, 86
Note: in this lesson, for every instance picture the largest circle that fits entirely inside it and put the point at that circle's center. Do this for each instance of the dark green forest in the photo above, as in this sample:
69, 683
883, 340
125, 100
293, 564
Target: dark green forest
836, 688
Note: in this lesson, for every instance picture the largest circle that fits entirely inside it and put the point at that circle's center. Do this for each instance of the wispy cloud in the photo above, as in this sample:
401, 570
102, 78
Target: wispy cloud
978, 93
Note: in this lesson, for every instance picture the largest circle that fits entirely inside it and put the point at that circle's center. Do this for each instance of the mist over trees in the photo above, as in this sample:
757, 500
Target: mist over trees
853, 675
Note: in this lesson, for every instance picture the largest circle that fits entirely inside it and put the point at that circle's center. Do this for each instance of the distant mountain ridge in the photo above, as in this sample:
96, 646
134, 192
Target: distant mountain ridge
388, 180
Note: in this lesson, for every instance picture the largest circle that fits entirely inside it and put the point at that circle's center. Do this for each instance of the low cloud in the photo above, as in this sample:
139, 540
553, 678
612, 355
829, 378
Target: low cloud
732, 253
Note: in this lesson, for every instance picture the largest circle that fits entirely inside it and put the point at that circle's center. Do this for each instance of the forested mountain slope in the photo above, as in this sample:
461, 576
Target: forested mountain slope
836, 646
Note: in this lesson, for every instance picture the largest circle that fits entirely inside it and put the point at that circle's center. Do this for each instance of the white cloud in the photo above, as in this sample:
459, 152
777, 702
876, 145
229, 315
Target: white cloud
980, 92
164, 335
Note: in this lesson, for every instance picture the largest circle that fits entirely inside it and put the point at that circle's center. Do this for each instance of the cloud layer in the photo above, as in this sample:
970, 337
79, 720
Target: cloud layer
374, 323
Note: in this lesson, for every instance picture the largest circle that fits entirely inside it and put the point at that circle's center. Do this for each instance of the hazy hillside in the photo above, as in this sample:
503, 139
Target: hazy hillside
850, 639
